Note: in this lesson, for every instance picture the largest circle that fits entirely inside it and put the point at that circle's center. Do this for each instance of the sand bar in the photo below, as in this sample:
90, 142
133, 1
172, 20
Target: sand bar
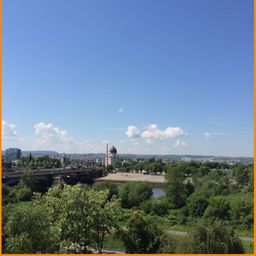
126, 176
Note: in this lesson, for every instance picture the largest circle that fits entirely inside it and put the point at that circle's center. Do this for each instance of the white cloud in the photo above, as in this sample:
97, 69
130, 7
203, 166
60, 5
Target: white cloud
133, 132
49, 134
8, 130
104, 141
120, 110
170, 132
179, 143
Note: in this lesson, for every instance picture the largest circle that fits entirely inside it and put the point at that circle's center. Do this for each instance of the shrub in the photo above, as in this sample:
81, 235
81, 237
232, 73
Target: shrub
134, 193
218, 208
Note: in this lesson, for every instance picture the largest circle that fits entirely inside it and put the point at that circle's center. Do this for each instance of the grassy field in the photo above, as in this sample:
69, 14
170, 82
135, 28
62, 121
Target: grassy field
113, 243
248, 247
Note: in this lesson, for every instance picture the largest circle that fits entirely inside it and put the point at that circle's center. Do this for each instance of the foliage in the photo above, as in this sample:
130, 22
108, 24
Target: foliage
175, 188
39, 162
110, 187
168, 244
213, 184
177, 216
5, 190
29, 225
83, 216
241, 213
197, 203
29, 180
241, 175
214, 238
141, 235
19, 244
189, 188
23, 193
202, 171
134, 193
219, 207
158, 207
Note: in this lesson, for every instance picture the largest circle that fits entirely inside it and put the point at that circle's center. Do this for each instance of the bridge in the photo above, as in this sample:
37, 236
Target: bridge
47, 177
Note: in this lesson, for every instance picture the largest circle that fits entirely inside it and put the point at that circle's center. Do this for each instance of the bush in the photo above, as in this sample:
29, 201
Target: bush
134, 193
111, 187
142, 235
218, 208
24, 194
197, 203
157, 207
5, 190
168, 244
177, 217
214, 238
241, 213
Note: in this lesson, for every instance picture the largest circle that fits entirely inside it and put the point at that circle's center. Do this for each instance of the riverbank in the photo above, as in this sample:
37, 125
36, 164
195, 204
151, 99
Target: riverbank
126, 176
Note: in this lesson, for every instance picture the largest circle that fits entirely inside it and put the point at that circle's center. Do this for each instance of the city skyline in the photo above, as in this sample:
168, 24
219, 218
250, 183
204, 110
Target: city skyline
151, 78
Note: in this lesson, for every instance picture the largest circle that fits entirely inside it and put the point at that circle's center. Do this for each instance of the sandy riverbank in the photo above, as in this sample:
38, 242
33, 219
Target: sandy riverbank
126, 176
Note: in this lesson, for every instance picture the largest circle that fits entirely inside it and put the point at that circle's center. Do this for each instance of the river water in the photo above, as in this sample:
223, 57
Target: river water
158, 192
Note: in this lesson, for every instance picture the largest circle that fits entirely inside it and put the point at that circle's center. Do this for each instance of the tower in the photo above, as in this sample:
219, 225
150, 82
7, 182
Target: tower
106, 157
113, 152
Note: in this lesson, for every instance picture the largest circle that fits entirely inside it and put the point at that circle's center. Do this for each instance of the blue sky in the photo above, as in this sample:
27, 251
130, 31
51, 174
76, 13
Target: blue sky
160, 77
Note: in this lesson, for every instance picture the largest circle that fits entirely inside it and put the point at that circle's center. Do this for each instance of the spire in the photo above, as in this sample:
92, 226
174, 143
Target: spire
107, 156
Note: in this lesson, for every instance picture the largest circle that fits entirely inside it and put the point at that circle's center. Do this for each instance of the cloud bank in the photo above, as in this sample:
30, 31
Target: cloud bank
153, 132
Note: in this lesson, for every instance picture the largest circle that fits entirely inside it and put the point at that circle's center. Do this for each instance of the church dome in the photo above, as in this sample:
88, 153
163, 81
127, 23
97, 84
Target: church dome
113, 150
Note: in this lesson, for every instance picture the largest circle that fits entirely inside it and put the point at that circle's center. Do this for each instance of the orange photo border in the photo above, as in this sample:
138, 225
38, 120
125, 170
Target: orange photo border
254, 69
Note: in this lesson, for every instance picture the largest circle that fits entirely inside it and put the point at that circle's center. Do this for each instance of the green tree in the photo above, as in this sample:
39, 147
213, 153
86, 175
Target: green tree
168, 244
23, 193
29, 180
241, 175
175, 188
141, 235
251, 178
213, 237
134, 193
201, 171
5, 191
110, 187
83, 216
30, 224
219, 207
197, 203
241, 212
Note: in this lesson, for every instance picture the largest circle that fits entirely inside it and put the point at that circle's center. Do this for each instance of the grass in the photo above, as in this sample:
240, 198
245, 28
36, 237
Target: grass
247, 196
248, 247
245, 233
113, 243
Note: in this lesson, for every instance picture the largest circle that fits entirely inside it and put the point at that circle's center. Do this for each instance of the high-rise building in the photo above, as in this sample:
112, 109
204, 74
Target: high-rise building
12, 154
